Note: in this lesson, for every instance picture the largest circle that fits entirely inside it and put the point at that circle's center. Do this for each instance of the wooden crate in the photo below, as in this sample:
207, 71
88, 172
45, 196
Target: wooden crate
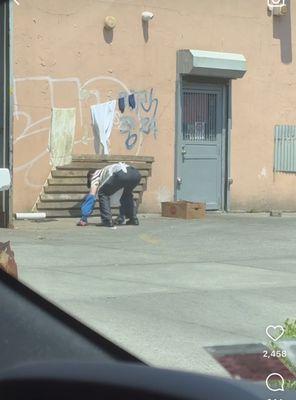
183, 209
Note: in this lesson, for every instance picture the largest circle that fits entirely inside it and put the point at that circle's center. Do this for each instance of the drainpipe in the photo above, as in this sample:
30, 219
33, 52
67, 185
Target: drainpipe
6, 156
10, 101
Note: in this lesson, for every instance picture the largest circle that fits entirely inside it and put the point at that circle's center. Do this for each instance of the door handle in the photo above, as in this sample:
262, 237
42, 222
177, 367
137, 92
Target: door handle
183, 152
179, 180
230, 182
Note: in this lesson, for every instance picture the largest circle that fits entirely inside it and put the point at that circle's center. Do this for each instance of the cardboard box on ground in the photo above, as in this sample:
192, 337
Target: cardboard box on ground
183, 209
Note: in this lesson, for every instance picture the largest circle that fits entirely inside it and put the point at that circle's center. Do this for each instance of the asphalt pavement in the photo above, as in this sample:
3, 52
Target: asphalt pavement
168, 288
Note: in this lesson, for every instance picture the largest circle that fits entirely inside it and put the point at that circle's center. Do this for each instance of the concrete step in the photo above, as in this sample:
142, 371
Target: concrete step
111, 159
81, 173
69, 197
73, 213
62, 205
98, 165
66, 188
70, 181
77, 189
51, 189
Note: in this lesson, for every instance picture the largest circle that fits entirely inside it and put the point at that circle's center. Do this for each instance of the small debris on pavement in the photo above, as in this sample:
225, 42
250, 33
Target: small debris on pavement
275, 213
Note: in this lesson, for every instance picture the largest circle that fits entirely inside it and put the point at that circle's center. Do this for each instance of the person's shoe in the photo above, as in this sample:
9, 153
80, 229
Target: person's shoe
108, 224
81, 223
119, 221
133, 221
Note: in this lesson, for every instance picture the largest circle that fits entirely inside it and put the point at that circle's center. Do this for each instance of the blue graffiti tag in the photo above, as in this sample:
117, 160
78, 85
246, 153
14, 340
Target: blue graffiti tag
146, 103
127, 126
149, 124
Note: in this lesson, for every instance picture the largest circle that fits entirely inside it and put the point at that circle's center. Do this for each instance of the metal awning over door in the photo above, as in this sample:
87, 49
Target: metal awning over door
211, 64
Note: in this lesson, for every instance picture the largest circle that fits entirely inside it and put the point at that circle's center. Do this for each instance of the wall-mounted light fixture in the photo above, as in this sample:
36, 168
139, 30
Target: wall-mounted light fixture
277, 7
110, 22
147, 16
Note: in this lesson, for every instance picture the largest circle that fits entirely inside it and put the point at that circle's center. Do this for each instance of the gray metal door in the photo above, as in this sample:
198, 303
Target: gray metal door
200, 145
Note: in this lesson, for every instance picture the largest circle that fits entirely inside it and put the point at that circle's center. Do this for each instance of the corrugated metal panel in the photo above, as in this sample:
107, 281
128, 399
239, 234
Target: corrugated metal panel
285, 148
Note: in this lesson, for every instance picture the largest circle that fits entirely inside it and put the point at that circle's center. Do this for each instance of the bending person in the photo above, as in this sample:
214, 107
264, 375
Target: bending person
113, 179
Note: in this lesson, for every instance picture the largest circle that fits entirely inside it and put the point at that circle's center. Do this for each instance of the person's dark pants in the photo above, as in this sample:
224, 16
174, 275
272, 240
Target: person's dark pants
120, 180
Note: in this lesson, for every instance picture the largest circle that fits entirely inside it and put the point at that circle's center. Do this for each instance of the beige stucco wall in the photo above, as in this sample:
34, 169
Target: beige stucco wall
65, 40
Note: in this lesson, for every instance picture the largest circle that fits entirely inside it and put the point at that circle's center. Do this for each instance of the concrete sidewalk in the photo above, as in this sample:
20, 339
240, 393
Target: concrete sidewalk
168, 288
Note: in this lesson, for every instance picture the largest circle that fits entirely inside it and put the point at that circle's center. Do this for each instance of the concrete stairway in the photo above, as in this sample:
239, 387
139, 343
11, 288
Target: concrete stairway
66, 188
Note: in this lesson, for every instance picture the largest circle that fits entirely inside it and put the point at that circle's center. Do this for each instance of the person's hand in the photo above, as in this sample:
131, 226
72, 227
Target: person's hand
93, 190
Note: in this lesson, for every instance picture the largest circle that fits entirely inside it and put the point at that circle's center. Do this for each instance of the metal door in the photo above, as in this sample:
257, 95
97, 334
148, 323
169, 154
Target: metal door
200, 145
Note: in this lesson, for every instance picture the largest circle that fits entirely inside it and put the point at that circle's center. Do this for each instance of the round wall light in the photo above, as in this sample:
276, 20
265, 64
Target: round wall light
147, 16
110, 22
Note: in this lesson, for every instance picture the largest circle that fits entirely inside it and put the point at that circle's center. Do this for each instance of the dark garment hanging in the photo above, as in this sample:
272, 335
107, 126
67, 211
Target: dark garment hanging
121, 104
132, 101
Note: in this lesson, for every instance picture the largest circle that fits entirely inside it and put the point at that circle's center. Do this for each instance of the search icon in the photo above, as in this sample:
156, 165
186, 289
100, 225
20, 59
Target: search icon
275, 382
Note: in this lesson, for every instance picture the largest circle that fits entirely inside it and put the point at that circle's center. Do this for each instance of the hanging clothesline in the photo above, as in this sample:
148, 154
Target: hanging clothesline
136, 91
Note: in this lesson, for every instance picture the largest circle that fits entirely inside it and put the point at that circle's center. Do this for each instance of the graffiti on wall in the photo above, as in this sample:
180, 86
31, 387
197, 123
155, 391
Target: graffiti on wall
128, 128
143, 122
133, 126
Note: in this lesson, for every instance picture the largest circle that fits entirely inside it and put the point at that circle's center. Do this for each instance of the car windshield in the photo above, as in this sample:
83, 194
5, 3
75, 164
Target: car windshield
151, 154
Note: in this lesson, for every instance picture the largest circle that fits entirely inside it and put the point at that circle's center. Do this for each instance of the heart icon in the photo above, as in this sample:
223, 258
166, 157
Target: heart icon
275, 332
